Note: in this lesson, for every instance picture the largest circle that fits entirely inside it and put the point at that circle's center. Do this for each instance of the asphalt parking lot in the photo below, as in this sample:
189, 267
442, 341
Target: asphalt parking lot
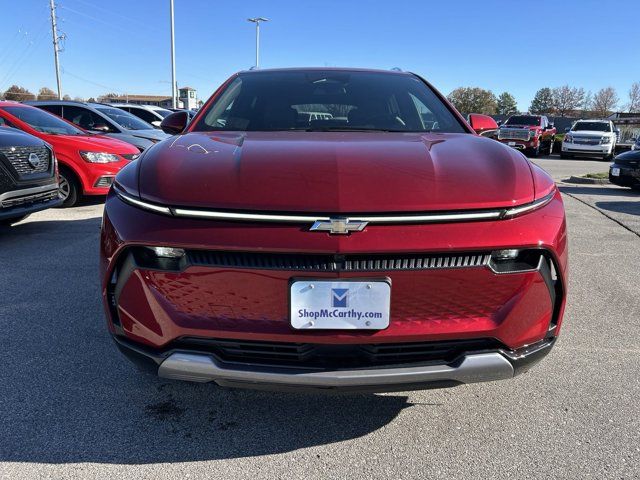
72, 407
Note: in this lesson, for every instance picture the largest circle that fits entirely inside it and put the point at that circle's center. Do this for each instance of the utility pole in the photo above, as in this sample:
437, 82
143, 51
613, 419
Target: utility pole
174, 91
257, 21
56, 48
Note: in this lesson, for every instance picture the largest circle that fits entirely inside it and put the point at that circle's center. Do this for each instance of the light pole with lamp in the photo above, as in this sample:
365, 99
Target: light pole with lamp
257, 21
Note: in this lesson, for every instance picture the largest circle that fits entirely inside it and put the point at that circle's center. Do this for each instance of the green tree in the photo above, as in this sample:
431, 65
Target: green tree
542, 102
473, 100
19, 94
506, 104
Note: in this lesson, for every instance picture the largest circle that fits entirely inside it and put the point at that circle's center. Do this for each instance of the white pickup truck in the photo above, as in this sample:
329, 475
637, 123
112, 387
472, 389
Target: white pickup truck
590, 138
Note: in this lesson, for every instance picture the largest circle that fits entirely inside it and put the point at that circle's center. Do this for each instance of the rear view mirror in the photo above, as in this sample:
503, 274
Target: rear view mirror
482, 123
175, 123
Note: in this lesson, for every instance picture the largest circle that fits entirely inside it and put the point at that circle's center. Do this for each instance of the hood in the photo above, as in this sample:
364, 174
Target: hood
335, 172
151, 134
11, 137
93, 143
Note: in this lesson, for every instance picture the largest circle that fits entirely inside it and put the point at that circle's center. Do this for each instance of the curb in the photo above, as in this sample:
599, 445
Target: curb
588, 181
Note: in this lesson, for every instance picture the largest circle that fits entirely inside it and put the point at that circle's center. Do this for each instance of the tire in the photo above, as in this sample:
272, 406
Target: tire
7, 222
69, 188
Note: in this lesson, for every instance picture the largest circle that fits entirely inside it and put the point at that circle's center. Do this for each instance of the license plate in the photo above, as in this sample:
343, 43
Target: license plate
343, 305
615, 172
512, 144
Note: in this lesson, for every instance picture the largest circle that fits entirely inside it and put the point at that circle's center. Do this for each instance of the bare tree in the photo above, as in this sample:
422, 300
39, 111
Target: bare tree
567, 99
19, 94
587, 103
605, 101
45, 93
634, 98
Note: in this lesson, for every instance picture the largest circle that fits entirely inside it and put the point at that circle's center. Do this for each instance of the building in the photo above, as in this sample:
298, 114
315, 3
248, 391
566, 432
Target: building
187, 98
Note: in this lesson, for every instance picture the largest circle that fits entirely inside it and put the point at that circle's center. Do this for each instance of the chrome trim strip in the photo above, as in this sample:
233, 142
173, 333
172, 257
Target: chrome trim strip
28, 191
480, 367
374, 219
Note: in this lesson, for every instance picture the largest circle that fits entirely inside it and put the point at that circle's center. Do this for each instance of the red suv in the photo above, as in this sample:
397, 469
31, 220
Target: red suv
332, 229
87, 163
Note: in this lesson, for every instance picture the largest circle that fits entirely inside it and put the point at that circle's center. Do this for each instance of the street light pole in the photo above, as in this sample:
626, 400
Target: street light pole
174, 92
257, 21
56, 47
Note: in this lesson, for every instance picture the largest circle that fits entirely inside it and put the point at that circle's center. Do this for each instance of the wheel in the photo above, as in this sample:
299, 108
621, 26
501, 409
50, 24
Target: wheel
69, 190
7, 222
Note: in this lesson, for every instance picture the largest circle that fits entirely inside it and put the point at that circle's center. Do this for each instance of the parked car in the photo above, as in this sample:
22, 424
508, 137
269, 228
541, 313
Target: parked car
149, 113
87, 162
484, 125
106, 120
28, 175
532, 134
590, 138
370, 252
625, 170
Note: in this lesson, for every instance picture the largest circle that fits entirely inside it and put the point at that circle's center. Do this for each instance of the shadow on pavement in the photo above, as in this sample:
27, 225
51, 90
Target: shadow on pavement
596, 190
68, 396
630, 208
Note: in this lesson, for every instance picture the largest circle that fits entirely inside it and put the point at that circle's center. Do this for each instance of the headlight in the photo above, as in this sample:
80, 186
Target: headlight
568, 138
99, 157
605, 140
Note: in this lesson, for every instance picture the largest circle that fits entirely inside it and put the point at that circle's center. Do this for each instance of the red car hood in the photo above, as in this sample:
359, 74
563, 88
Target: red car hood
335, 172
92, 143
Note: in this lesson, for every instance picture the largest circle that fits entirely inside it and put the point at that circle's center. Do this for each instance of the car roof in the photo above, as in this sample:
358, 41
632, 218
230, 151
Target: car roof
324, 69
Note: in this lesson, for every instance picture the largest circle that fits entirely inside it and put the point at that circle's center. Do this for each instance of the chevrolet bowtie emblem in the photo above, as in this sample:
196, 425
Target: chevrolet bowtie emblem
338, 225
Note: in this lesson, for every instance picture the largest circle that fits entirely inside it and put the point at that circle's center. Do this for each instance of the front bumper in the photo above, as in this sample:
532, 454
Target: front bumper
628, 177
17, 203
470, 367
232, 288
599, 149
520, 144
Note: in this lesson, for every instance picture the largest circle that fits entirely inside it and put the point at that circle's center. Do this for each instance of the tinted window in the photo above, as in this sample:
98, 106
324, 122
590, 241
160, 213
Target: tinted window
163, 113
145, 115
592, 126
523, 120
124, 119
328, 100
55, 109
42, 121
85, 118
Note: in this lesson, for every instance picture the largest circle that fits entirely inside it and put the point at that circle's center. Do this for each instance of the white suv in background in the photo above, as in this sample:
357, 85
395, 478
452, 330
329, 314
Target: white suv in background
149, 113
590, 138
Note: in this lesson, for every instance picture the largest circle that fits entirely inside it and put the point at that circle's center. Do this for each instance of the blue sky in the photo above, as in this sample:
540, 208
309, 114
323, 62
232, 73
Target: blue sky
516, 46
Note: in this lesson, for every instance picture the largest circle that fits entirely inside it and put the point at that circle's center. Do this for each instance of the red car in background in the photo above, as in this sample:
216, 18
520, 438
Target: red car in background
332, 229
87, 163
532, 134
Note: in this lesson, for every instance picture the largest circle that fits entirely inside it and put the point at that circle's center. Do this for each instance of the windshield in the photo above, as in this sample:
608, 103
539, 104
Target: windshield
591, 127
125, 119
42, 121
163, 113
318, 100
523, 120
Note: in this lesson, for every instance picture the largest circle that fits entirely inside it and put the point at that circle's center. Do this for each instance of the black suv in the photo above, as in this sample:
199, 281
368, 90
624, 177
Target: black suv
28, 176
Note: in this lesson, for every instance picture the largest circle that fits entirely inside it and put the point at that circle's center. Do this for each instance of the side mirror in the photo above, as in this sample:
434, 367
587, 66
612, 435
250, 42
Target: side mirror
566, 129
156, 123
175, 123
100, 127
481, 123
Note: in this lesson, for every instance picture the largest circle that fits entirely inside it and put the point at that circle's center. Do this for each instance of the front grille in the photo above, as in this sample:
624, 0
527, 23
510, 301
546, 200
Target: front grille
320, 356
336, 263
30, 199
586, 140
513, 134
18, 157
